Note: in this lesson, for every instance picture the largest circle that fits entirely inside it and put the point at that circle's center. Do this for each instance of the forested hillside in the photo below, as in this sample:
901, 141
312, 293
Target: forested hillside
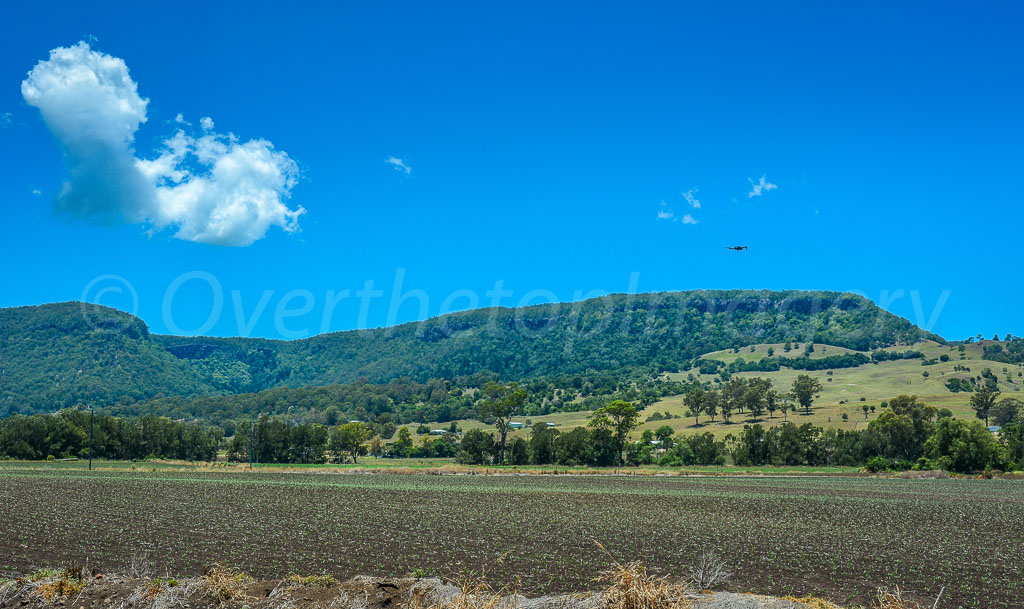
58, 355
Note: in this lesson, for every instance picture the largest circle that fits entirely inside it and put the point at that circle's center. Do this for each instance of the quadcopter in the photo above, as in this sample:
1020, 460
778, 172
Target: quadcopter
736, 248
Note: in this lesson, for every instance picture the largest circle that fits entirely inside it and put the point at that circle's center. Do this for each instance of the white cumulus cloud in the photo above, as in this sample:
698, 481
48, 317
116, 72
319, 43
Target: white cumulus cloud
210, 189
398, 165
688, 219
759, 187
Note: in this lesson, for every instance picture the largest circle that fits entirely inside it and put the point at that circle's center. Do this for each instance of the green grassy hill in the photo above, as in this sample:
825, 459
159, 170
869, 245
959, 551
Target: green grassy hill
842, 394
54, 356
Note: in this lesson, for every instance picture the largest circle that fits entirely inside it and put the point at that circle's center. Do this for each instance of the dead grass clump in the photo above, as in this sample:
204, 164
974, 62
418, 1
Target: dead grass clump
140, 564
51, 584
224, 584
323, 581
812, 602
630, 586
472, 595
163, 595
8, 587
893, 599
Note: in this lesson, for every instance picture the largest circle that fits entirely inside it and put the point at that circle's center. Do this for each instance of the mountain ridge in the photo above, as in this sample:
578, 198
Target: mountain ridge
59, 354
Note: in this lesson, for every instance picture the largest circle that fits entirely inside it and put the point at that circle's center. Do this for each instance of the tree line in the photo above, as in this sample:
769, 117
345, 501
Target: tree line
828, 362
908, 434
66, 435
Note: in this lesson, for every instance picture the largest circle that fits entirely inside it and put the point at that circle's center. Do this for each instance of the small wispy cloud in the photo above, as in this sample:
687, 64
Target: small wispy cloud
36, 192
6, 118
664, 213
760, 187
206, 123
691, 198
398, 165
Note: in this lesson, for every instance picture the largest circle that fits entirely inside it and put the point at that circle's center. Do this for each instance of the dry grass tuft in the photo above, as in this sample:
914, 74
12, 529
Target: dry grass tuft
893, 599
323, 581
472, 595
52, 584
224, 584
630, 586
812, 602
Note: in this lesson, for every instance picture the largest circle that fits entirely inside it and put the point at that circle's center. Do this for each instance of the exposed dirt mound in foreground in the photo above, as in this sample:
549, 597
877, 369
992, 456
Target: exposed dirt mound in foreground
226, 589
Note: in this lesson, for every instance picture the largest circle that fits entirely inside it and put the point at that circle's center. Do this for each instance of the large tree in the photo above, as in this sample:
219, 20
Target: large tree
542, 443
805, 389
696, 401
348, 440
982, 402
732, 395
756, 396
772, 402
1006, 410
501, 403
619, 418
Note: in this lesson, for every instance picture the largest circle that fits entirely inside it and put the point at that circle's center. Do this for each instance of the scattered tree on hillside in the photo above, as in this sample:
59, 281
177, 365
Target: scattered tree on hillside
711, 403
982, 402
772, 402
805, 389
755, 396
696, 401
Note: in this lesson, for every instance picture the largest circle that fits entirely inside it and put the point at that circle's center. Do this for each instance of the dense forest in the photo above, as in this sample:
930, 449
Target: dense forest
56, 356
404, 401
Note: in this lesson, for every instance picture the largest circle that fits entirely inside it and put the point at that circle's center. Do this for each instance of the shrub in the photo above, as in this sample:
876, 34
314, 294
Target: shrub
224, 584
709, 571
877, 464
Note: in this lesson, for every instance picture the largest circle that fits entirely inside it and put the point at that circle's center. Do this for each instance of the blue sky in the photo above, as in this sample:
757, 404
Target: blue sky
538, 142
